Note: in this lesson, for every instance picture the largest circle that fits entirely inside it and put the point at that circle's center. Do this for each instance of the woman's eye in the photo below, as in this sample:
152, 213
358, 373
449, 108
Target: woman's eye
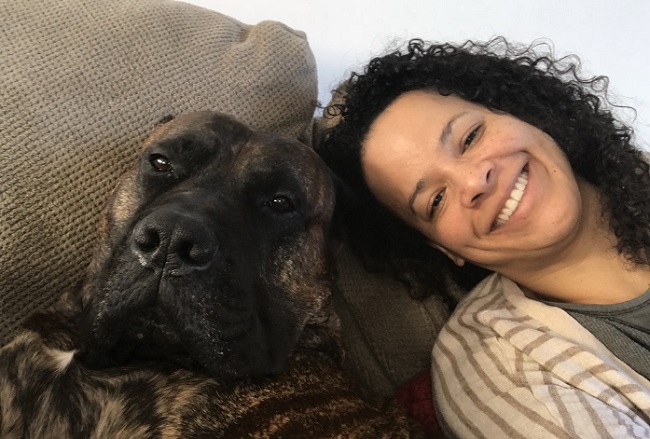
161, 163
435, 204
469, 140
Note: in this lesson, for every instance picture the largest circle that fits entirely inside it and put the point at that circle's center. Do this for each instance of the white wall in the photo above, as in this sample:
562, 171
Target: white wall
610, 36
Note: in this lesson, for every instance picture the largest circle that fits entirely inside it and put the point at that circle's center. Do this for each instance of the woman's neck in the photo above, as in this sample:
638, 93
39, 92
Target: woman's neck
590, 270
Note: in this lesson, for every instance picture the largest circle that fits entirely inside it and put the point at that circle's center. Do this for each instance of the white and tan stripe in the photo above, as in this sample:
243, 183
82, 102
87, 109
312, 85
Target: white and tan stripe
501, 373
484, 367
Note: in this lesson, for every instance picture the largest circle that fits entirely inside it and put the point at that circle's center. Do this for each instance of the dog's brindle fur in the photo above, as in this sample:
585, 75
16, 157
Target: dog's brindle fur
205, 311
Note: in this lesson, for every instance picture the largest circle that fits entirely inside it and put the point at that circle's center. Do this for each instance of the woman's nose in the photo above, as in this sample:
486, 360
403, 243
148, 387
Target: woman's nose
476, 181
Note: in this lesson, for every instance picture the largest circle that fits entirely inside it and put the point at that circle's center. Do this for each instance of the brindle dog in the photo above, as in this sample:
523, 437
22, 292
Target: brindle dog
205, 311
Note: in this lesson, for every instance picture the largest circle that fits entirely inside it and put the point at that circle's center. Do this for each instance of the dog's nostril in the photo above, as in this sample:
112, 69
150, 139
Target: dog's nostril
147, 241
194, 253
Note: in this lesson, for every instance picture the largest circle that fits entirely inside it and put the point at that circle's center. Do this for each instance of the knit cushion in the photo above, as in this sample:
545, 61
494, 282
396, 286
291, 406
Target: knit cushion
82, 83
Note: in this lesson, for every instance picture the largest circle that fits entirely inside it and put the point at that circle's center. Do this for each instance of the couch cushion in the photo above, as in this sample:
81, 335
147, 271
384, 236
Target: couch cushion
83, 82
389, 334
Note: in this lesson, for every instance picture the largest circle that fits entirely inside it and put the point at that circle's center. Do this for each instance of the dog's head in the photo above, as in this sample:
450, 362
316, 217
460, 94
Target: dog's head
213, 249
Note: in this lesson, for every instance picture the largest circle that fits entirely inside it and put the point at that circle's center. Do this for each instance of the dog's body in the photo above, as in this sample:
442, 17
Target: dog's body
206, 309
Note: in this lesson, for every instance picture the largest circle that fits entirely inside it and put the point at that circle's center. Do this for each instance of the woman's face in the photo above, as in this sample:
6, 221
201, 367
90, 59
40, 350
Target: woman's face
482, 186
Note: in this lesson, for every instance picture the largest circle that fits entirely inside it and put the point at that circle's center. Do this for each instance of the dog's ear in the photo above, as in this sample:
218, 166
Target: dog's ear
164, 120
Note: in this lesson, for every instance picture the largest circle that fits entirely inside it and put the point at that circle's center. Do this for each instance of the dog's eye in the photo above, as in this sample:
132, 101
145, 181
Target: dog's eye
281, 203
160, 163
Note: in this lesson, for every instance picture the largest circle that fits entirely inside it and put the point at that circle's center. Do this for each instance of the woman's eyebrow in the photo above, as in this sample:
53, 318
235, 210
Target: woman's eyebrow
419, 186
446, 131
444, 137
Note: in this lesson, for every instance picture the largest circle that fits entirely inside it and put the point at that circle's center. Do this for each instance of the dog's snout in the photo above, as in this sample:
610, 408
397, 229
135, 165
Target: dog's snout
174, 240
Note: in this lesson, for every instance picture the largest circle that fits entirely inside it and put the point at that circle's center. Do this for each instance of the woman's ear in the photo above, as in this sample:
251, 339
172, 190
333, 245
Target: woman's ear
451, 255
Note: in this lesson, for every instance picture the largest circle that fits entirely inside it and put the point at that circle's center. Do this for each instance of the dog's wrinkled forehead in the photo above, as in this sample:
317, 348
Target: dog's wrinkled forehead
266, 154
202, 127
245, 150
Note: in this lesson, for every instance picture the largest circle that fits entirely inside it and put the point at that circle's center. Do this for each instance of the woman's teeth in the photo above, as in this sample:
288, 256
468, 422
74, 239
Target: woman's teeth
513, 201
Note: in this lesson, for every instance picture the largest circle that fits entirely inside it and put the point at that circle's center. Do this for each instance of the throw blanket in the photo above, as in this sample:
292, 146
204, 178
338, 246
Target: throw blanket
509, 366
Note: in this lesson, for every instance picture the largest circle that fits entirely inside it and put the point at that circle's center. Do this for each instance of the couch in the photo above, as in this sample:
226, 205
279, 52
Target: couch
84, 81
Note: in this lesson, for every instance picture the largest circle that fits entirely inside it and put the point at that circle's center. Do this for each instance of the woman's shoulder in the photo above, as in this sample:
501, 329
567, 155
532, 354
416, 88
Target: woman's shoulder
497, 319
504, 359
472, 321
473, 366
492, 295
469, 342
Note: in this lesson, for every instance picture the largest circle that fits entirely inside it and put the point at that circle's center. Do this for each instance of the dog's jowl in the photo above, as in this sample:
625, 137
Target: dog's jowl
206, 309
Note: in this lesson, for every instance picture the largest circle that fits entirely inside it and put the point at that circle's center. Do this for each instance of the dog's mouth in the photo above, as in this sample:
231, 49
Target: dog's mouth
227, 348
146, 341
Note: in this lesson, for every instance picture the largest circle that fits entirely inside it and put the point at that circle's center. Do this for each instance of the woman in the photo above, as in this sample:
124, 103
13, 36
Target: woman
510, 161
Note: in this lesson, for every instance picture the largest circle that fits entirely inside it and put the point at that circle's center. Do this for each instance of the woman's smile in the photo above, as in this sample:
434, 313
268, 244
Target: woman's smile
512, 203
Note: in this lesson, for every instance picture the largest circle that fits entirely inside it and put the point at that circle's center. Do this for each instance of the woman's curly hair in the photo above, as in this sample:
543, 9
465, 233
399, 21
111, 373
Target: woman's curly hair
532, 86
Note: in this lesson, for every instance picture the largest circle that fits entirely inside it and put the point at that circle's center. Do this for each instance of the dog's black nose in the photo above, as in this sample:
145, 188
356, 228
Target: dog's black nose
173, 240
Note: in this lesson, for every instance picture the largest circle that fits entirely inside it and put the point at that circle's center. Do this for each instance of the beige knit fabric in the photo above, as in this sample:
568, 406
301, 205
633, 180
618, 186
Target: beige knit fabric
81, 84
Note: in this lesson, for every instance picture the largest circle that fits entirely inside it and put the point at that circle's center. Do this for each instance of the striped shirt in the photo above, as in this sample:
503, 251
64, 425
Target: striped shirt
506, 366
